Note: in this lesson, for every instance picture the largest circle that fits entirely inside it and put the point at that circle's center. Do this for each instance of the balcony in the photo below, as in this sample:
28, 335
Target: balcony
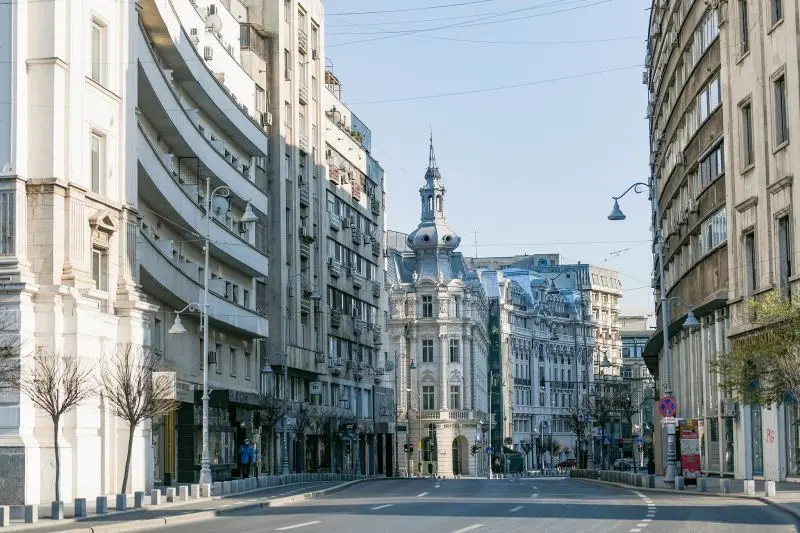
161, 277
359, 326
303, 195
334, 174
357, 239
377, 336
160, 186
302, 40
335, 269
376, 248
376, 289
335, 221
336, 318
305, 305
163, 108
302, 142
445, 415
376, 206
305, 249
358, 280
356, 190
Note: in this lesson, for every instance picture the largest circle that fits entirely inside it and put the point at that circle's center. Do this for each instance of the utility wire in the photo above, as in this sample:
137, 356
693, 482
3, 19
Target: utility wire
404, 10
500, 88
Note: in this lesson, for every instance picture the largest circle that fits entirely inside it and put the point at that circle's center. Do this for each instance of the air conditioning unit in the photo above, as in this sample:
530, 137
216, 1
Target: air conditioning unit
692, 205
672, 38
663, 4
242, 227
208, 53
347, 222
730, 409
651, 108
212, 9
646, 76
331, 261
266, 119
656, 30
212, 358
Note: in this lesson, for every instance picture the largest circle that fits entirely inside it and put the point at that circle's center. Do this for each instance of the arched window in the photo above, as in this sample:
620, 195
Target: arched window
439, 203
430, 203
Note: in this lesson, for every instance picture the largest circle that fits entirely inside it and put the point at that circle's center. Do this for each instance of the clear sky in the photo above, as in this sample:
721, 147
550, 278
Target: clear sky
530, 168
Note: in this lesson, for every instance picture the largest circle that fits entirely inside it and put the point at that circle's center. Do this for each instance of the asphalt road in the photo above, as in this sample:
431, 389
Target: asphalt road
495, 506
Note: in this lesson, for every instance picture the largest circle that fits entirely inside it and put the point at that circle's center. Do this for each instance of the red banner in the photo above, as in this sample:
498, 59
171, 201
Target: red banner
690, 449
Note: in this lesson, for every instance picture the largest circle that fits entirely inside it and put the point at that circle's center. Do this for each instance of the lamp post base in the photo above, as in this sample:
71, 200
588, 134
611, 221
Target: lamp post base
205, 475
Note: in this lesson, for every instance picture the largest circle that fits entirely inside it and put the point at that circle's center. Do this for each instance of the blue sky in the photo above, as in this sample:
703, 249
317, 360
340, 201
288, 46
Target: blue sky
531, 168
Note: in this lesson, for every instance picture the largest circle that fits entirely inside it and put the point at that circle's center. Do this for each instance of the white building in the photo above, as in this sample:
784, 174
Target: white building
437, 329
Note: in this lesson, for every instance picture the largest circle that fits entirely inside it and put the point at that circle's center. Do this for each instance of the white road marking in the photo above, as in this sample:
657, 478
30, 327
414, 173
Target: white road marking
381, 507
639, 494
651, 504
468, 528
436, 486
517, 508
535, 487
295, 526
224, 506
534, 495
648, 520
422, 494
642, 524
635, 530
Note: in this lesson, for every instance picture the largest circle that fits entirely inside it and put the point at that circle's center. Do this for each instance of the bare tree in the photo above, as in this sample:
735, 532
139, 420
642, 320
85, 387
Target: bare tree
319, 416
135, 391
56, 384
602, 411
626, 405
270, 412
579, 424
303, 415
9, 349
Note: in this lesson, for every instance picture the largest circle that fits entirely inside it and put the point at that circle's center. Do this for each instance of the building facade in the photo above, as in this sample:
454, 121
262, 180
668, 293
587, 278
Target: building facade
639, 384
438, 332
689, 159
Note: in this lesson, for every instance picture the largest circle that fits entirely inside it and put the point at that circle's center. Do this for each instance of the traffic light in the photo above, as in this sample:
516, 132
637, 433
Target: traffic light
410, 448
405, 447
620, 442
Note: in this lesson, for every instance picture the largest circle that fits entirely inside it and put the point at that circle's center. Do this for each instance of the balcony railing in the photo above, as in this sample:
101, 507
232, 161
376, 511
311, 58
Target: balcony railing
359, 325
302, 142
302, 40
459, 414
358, 280
376, 248
376, 289
335, 221
376, 206
302, 92
336, 318
357, 238
335, 269
304, 195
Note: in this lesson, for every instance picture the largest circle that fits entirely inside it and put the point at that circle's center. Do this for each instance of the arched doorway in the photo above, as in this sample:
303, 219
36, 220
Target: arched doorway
460, 456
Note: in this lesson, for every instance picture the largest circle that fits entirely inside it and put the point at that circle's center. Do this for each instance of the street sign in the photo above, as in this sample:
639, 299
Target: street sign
401, 428
669, 420
489, 450
667, 406
639, 441
607, 440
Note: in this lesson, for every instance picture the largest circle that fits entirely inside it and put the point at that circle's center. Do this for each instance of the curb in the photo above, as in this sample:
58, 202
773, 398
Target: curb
794, 514
199, 516
160, 522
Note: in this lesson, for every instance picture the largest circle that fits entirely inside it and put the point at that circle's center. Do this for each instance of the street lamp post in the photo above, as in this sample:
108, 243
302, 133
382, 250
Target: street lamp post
177, 328
617, 214
492, 375
541, 432
412, 366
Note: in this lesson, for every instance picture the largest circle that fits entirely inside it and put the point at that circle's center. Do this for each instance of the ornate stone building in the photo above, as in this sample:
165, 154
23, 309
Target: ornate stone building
438, 333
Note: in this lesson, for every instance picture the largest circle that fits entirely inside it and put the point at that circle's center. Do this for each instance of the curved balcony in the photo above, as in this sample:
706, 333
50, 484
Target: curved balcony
159, 185
170, 38
162, 278
168, 114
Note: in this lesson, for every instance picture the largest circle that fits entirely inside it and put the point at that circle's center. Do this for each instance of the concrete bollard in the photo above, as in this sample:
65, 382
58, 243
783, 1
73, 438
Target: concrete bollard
679, 482
702, 484
262, 482
155, 497
122, 502
205, 490
183, 493
57, 510
724, 485
651, 481
80, 507
31, 514
749, 487
226, 487
194, 491
769, 489
101, 505
171, 493
5, 516
138, 499
218, 491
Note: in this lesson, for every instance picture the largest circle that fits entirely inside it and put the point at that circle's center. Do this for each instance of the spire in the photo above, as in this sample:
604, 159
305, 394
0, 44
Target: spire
432, 155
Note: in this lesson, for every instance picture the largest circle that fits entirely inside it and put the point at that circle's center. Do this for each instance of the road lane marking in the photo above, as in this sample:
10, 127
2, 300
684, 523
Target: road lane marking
422, 494
535, 487
295, 526
648, 520
468, 528
636, 530
381, 507
517, 508
436, 486
224, 506
642, 524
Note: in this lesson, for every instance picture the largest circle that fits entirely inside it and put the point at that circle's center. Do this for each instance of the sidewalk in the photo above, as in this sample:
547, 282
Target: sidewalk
153, 517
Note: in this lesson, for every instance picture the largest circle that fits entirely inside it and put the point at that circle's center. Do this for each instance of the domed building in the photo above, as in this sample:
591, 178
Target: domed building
438, 331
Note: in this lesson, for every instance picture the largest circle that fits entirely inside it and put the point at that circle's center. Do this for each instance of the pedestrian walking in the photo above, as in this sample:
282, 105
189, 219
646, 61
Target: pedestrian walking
246, 457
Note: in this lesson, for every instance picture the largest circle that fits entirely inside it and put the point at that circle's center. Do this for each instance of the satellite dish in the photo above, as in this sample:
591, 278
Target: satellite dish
214, 23
219, 206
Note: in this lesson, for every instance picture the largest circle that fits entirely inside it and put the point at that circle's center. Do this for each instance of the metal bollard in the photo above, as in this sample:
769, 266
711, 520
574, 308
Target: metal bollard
57, 510
679, 482
218, 489
769, 489
122, 502
724, 485
31, 514
138, 499
226, 487
101, 505
749, 487
5, 516
155, 497
80, 507
702, 484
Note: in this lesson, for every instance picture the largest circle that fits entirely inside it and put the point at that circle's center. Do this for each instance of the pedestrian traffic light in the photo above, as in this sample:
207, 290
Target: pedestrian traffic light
405, 447
410, 448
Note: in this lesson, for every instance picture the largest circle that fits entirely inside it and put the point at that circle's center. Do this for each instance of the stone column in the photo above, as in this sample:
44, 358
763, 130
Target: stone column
467, 373
443, 360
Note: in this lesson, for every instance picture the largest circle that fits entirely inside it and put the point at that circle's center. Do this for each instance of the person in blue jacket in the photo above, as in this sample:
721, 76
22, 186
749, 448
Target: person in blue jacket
247, 456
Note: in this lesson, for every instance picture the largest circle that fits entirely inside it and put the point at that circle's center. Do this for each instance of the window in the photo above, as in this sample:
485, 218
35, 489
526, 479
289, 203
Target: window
776, 10
784, 255
287, 11
427, 350
233, 361
750, 262
712, 165
247, 364
781, 113
98, 144
427, 306
314, 88
455, 352
744, 28
714, 231
301, 19
218, 357
100, 269
428, 397
246, 298
261, 99
287, 65
314, 40
709, 99
99, 61
748, 154
455, 397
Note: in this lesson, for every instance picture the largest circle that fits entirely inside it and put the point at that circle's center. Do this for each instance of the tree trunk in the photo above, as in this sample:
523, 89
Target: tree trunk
128, 459
58, 457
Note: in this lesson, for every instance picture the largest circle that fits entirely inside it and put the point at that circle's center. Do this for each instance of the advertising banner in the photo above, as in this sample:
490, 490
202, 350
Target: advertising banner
690, 448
